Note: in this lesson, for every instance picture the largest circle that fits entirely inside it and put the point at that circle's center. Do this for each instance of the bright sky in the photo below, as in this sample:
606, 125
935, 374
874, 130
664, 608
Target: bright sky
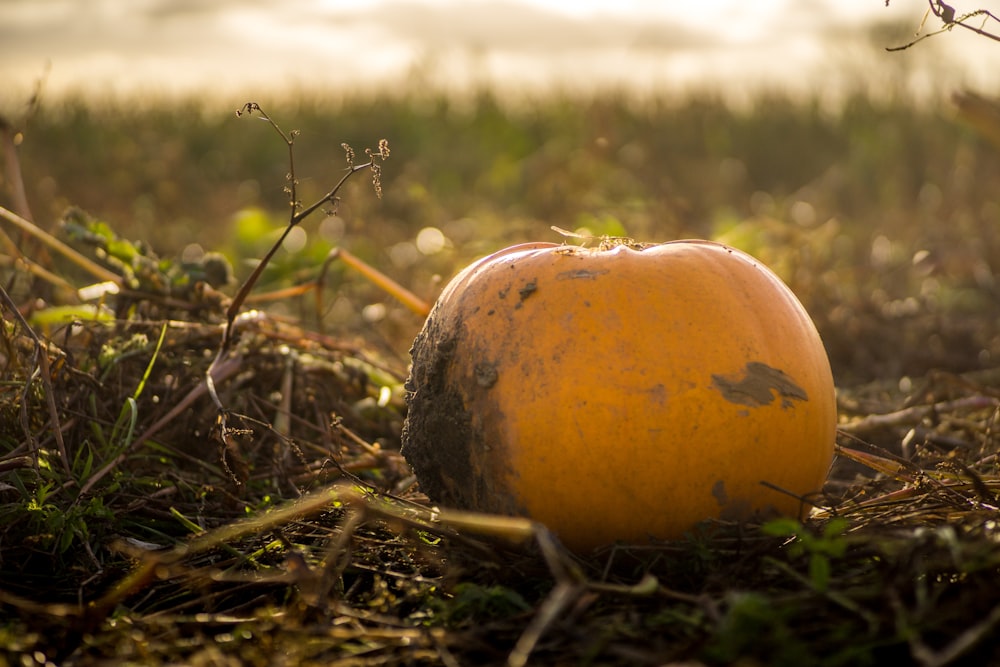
241, 48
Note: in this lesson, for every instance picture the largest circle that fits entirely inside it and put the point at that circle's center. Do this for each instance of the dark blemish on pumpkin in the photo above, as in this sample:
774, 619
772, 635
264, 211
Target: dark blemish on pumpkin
528, 289
445, 346
503, 293
740, 510
580, 274
657, 392
758, 385
719, 491
486, 374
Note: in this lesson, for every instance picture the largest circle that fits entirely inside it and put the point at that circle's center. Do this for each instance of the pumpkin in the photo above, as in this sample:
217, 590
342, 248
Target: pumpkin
620, 393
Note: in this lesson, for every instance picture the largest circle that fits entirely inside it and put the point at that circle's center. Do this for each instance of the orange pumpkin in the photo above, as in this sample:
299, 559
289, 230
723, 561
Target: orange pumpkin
622, 393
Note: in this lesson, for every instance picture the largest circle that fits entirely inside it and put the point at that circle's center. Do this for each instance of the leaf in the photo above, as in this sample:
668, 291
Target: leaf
782, 527
819, 571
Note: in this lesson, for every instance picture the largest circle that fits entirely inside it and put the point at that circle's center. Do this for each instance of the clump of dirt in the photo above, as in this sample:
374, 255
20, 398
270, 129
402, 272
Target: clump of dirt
437, 432
440, 440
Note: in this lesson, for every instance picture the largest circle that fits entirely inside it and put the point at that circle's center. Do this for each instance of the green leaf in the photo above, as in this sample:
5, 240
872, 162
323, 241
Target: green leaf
782, 527
819, 572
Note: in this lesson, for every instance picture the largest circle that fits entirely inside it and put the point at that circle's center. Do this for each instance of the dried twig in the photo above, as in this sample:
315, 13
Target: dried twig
296, 216
948, 17
40, 370
914, 414
58, 246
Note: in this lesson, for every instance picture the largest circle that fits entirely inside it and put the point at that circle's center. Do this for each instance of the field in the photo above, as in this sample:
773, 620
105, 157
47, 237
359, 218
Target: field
130, 531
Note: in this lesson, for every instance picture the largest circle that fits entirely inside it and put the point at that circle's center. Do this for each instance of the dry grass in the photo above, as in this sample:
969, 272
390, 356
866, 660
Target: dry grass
133, 529
305, 540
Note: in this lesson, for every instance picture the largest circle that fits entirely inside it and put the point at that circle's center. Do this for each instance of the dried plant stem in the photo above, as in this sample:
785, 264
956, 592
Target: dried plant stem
58, 246
297, 215
946, 13
221, 371
916, 413
12, 168
40, 370
413, 302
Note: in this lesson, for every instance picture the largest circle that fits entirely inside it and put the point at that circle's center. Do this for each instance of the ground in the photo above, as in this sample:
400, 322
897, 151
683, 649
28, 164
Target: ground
145, 523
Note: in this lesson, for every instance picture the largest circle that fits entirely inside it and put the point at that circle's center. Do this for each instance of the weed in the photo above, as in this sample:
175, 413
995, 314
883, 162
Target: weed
821, 550
474, 602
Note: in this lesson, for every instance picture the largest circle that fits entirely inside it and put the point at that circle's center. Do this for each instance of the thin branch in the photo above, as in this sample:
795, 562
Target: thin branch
10, 141
222, 372
946, 13
42, 370
961, 22
58, 246
296, 216
914, 414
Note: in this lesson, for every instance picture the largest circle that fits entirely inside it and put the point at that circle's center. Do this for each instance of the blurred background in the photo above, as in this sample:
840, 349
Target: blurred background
221, 48
867, 178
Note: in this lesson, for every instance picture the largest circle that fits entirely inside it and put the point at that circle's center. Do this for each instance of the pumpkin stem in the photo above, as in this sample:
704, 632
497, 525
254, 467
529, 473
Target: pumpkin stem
604, 242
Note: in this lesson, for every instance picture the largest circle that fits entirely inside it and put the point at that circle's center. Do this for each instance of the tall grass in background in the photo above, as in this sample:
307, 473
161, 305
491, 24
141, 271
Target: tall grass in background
882, 215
